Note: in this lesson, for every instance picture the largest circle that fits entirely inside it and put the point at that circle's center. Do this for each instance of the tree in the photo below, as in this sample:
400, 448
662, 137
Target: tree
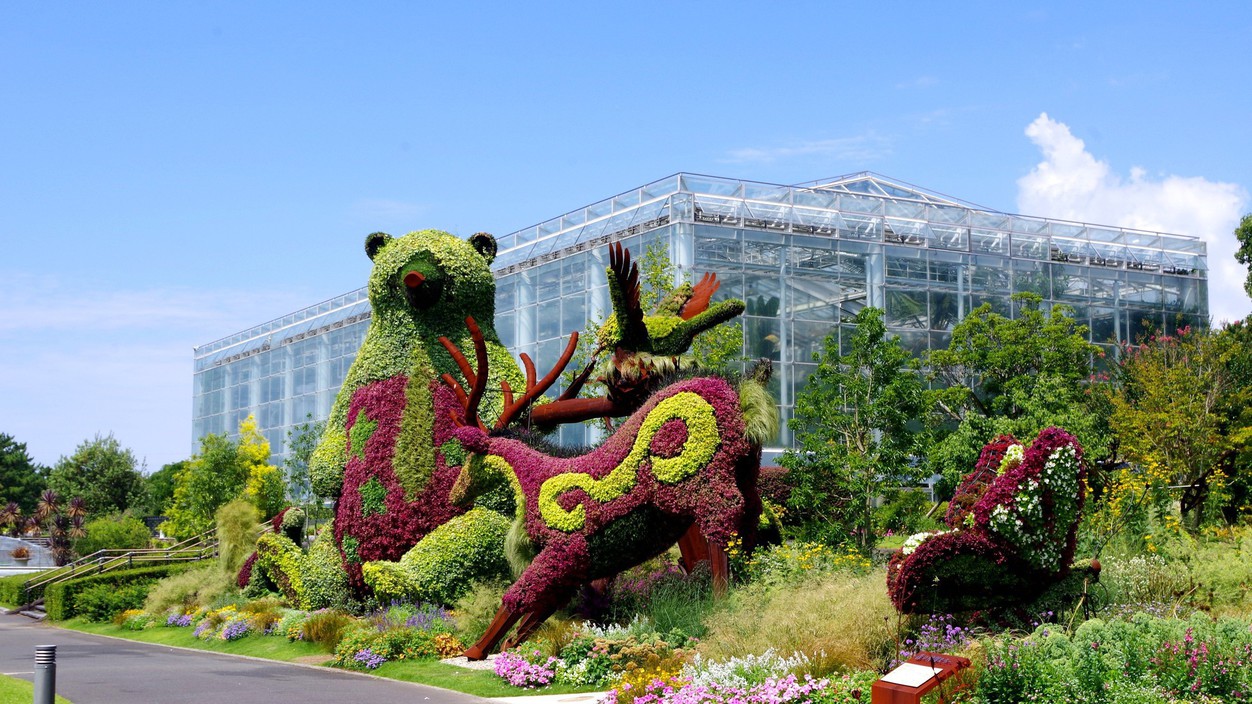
1244, 255
103, 474
852, 424
301, 441
1014, 376
1167, 413
223, 470
21, 479
161, 487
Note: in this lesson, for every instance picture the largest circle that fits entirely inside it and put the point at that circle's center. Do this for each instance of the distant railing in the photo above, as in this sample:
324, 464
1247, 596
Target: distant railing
201, 547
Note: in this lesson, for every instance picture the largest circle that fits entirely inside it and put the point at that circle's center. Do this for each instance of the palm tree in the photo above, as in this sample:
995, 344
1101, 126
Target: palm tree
77, 508
11, 518
48, 506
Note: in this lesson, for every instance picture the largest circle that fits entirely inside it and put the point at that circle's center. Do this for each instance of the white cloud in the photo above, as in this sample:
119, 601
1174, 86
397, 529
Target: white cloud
1072, 184
857, 148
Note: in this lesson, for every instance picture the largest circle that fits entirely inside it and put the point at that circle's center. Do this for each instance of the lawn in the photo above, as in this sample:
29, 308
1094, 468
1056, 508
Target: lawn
15, 691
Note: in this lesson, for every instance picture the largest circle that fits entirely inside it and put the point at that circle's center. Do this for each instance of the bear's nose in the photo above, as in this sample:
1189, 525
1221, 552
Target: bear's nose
413, 279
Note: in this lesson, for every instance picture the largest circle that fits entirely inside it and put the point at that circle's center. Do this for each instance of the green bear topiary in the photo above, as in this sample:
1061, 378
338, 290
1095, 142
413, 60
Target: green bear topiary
445, 564
387, 455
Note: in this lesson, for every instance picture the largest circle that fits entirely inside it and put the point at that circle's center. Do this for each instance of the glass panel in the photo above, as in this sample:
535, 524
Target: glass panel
1069, 282
813, 298
945, 310
906, 309
1032, 276
989, 241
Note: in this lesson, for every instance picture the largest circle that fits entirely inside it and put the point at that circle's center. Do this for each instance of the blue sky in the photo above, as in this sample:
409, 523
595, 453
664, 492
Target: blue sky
173, 172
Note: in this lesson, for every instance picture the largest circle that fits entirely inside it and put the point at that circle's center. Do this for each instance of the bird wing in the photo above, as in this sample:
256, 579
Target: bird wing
624, 289
701, 294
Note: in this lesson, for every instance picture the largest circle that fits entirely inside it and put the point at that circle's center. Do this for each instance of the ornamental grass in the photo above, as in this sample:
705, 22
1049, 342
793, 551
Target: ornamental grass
840, 621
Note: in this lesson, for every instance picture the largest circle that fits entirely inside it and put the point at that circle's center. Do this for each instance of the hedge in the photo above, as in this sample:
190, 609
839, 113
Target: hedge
11, 592
58, 599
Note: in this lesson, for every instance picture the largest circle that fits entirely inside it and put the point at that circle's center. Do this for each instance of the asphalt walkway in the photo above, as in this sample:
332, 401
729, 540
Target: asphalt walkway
98, 670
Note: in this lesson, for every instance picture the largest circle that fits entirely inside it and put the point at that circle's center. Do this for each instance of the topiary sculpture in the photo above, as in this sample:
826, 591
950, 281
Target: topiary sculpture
1016, 540
684, 458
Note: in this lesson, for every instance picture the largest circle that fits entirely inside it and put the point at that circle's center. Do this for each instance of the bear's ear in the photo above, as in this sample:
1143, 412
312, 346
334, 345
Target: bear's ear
374, 242
485, 244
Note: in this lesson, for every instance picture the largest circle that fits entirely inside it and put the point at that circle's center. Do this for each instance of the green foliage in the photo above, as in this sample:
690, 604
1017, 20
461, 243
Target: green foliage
326, 628
905, 512
116, 532
1012, 376
476, 609
221, 471
161, 487
1167, 413
301, 441
195, 588
60, 599
1244, 255
325, 582
103, 474
21, 479
102, 602
441, 568
12, 592
840, 621
852, 424
236, 534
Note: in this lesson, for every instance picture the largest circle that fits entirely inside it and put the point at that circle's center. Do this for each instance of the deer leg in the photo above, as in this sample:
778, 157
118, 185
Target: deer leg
693, 547
504, 620
721, 569
532, 621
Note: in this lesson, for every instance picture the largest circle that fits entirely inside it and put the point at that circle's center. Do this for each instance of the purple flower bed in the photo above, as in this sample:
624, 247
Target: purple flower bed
235, 630
369, 659
179, 620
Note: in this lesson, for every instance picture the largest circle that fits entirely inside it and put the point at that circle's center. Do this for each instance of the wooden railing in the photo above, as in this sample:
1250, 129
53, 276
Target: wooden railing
191, 550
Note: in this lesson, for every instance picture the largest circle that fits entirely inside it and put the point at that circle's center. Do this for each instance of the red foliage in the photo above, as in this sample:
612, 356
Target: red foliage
405, 521
976, 482
975, 567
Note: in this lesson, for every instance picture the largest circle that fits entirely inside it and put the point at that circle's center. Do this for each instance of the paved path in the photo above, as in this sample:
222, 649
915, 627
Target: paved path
97, 670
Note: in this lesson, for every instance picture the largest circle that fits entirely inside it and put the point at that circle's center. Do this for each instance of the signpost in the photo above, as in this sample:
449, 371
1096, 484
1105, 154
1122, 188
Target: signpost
916, 677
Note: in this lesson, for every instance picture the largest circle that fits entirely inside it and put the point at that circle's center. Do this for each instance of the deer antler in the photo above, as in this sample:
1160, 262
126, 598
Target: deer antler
478, 379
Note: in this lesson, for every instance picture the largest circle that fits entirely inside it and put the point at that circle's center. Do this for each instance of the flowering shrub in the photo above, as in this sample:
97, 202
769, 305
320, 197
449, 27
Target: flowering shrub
912, 542
521, 671
178, 620
789, 562
368, 659
1035, 505
1144, 659
135, 620
939, 634
1017, 540
974, 484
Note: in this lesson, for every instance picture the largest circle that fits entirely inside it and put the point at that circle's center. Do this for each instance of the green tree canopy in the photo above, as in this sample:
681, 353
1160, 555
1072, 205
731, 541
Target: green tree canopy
1168, 413
1244, 254
21, 479
1011, 375
103, 474
161, 487
852, 423
224, 470
301, 441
